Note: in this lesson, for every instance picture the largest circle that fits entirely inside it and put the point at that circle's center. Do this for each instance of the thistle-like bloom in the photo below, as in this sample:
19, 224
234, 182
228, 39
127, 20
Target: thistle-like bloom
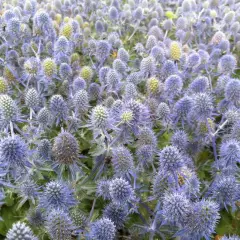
145, 155
153, 85
32, 66
173, 85
117, 213
32, 98
120, 190
65, 149
49, 68
36, 217
175, 50
230, 152
57, 195
232, 91
44, 149
182, 108
86, 73
199, 85
13, 152
81, 101
225, 191
202, 221
58, 108
59, 225
102, 51
202, 106
227, 64
8, 110
20, 230
123, 55
103, 229
170, 160
99, 118
27, 190
103, 189
180, 140
176, 208
148, 66
43, 116
146, 136
122, 161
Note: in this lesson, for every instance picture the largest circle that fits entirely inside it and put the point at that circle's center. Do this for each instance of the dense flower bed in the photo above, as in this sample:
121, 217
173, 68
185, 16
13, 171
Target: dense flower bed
119, 119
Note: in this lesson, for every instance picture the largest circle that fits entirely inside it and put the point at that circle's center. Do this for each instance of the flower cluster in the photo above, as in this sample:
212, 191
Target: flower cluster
119, 119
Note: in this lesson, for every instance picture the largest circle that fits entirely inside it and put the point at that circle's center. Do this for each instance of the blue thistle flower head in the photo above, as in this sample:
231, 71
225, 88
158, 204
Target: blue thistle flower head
13, 152
183, 107
176, 208
158, 54
20, 230
156, 31
168, 68
232, 91
199, 85
36, 217
61, 46
202, 106
65, 71
173, 85
193, 60
119, 66
145, 155
103, 75
123, 55
202, 221
230, 152
130, 91
8, 110
103, 189
44, 149
122, 161
59, 225
100, 117
170, 160
57, 195
81, 101
102, 50
146, 136
134, 78
8, 14
225, 191
99, 26
94, 91
120, 190
103, 229
13, 26
79, 84
179, 139
148, 66
138, 13
117, 213
113, 80
28, 190
227, 64
113, 13
32, 98
151, 42
65, 149
58, 108
43, 116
